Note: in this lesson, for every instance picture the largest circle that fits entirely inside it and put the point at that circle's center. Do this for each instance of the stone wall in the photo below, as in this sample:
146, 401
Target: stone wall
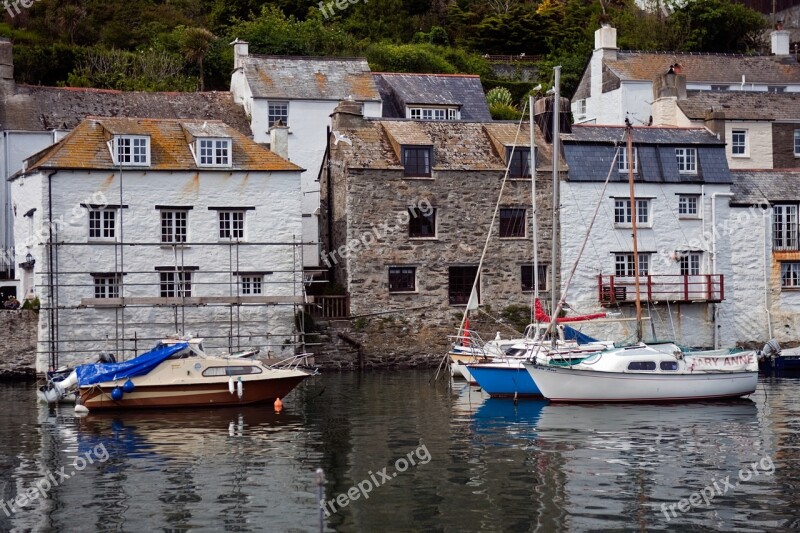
18, 350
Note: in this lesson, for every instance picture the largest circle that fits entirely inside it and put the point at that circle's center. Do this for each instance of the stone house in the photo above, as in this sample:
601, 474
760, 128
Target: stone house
682, 189
132, 229
406, 211
617, 83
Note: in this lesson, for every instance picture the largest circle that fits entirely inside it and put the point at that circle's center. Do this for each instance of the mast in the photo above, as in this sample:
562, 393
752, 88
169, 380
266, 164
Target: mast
534, 223
634, 215
556, 200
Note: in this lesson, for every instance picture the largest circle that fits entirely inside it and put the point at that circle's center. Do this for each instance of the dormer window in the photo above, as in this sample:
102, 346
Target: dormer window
133, 150
214, 152
417, 161
519, 162
433, 113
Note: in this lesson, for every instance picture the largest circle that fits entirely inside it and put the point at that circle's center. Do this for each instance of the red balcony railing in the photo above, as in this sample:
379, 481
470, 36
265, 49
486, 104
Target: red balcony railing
613, 290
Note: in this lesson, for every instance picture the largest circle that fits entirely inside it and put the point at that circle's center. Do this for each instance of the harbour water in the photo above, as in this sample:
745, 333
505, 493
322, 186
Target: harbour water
420, 457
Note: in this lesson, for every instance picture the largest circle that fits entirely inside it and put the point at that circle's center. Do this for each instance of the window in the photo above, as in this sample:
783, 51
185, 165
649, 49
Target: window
690, 264
417, 160
231, 225
668, 365
623, 265
132, 150
784, 227
277, 111
687, 205
797, 143
720, 87
512, 222
173, 226
106, 285
642, 365
739, 143
216, 371
622, 160
251, 285
402, 279
421, 223
622, 211
777, 88
687, 160
519, 166
461, 279
580, 107
526, 272
214, 152
790, 275
176, 284
431, 113
102, 224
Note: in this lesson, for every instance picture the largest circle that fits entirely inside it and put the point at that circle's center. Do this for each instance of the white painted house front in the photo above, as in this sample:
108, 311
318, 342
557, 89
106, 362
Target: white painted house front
682, 190
158, 227
302, 92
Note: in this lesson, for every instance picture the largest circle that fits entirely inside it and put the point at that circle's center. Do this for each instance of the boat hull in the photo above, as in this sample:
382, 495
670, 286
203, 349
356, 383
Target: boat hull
192, 395
458, 366
573, 385
504, 380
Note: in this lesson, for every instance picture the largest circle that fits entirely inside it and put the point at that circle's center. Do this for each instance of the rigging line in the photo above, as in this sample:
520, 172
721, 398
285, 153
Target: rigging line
499, 321
672, 324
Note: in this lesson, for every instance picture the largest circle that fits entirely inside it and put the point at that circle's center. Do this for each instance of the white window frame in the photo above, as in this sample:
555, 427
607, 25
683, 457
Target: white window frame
685, 207
251, 284
175, 284
214, 152
231, 224
137, 148
743, 146
625, 260
273, 116
622, 213
622, 161
687, 160
98, 222
580, 108
169, 233
689, 264
106, 286
797, 143
785, 227
790, 270
433, 113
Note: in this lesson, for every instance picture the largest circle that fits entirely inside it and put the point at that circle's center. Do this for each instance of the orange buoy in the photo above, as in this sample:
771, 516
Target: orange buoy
278, 405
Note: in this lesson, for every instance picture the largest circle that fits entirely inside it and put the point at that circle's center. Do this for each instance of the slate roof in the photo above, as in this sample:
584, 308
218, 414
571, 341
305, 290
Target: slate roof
85, 148
310, 78
32, 108
742, 105
463, 90
753, 187
590, 150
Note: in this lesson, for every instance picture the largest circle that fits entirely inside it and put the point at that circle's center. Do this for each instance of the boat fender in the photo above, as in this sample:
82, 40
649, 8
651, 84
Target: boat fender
128, 386
278, 405
116, 394
230, 385
240, 388
81, 410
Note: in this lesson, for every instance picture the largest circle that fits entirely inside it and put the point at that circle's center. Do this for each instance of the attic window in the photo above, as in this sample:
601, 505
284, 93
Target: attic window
213, 152
132, 150
417, 161
433, 113
519, 162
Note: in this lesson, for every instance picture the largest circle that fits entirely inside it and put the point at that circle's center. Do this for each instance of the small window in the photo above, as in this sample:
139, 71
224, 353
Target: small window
460, 281
777, 88
214, 152
580, 107
102, 224
784, 227
432, 113
277, 111
526, 273
176, 284
642, 365
231, 225
251, 285
690, 264
519, 162
739, 143
512, 222
668, 365
106, 285
421, 224
687, 160
797, 143
622, 211
417, 161
173, 226
402, 279
216, 371
790, 275
132, 150
720, 87
623, 265
622, 160
687, 206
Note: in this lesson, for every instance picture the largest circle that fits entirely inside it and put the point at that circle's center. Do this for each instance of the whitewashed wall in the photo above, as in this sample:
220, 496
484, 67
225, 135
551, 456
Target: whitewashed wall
276, 219
760, 144
693, 323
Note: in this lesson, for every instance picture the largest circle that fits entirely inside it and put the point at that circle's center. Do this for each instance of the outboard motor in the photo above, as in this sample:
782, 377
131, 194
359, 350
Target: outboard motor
107, 358
769, 352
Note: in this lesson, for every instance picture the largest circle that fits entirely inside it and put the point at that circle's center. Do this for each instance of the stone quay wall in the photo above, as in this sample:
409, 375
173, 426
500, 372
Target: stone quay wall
18, 348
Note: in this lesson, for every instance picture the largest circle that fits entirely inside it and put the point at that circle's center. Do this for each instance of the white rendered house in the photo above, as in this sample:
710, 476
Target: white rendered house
157, 227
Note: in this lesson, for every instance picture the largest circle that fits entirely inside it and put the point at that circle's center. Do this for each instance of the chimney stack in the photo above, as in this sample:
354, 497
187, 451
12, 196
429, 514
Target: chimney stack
347, 115
241, 49
279, 139
543, 116
605, 39
780, 40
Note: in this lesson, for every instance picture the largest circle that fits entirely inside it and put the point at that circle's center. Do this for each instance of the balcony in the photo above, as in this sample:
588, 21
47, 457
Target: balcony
704, 288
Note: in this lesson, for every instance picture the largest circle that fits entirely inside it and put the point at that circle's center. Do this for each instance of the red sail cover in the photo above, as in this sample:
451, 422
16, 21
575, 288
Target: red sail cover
541, 316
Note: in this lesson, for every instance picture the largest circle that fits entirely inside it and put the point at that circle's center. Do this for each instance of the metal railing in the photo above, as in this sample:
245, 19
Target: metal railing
708, 288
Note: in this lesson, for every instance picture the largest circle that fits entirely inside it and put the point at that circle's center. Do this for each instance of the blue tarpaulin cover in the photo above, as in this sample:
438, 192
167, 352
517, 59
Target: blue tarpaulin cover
138, 366
572, 334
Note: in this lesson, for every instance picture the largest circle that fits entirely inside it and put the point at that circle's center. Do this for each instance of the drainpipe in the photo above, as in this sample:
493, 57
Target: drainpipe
714, 256
51, 282
766, 276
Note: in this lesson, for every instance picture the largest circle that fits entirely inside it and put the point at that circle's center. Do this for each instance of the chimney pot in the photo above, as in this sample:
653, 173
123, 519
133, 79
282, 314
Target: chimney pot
605, 38
279, 139
780, 42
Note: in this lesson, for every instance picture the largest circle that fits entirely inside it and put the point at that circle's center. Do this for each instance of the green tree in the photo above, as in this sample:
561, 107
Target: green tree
195, 44
715, 26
